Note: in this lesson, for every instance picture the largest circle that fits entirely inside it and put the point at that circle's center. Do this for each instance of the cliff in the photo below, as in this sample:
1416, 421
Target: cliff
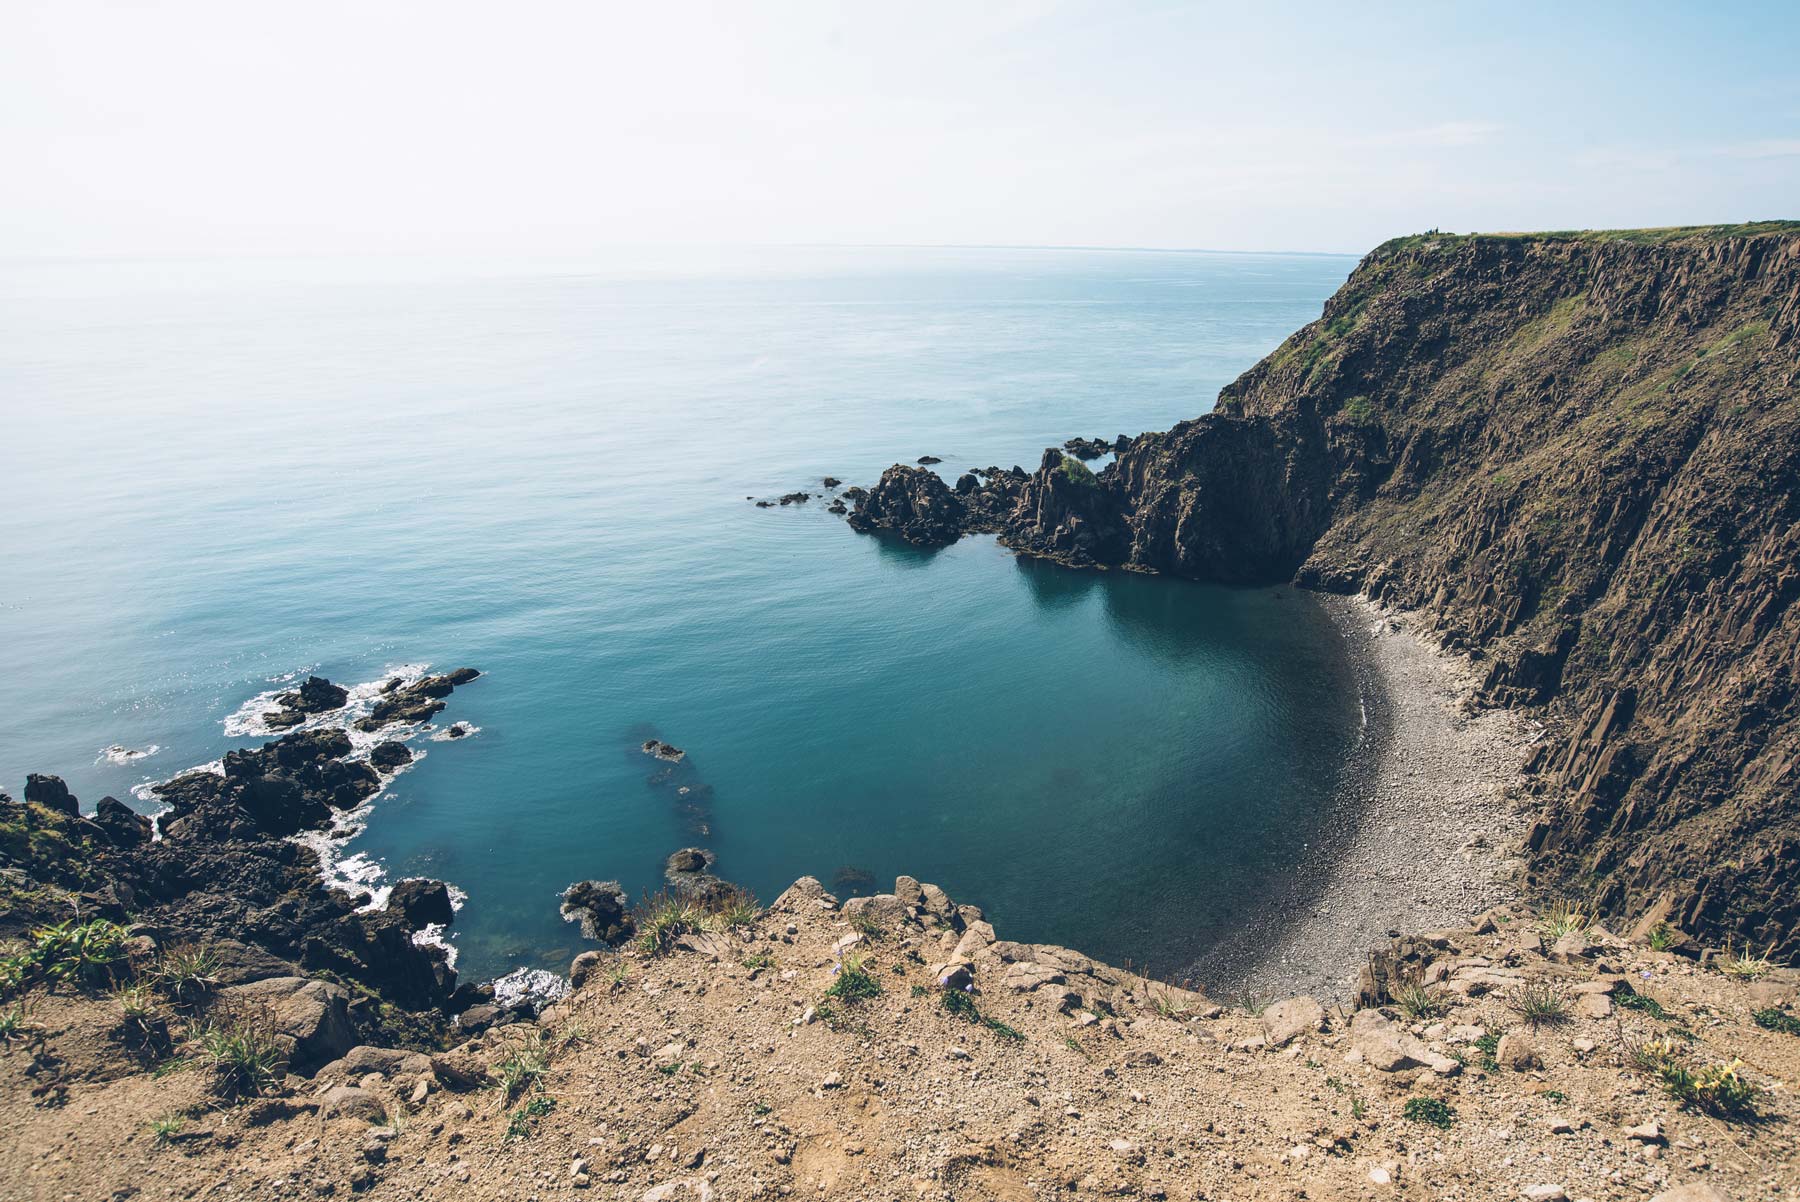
1576, 456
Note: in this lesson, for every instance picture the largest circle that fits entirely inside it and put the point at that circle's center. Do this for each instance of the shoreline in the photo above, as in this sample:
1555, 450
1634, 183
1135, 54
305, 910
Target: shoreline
1426, 833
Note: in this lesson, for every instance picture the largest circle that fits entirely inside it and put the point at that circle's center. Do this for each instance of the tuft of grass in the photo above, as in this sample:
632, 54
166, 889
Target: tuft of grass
617, 973
919, 991
1772, 1019
1662, 937
142, 1024
243, 1050
186, 973
1252, 1004
83, 954
759, 960
520, 1072
853, 982
1076, 472
15, 1025
958, 1004
1540, 1004
732, 910
1417, 1003
523, 1121
1434, 1111
1746, 966
164, 1130
1562, 918
663, 918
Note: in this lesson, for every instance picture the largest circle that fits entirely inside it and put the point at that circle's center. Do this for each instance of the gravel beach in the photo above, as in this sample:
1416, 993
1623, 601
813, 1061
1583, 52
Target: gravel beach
1428, 829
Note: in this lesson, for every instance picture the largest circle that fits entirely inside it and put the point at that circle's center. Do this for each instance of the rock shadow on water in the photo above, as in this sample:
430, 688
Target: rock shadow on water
1053, 586
890, 548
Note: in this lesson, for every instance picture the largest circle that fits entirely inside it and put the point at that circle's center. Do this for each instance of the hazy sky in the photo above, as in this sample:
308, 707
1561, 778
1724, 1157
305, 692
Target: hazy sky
141, 126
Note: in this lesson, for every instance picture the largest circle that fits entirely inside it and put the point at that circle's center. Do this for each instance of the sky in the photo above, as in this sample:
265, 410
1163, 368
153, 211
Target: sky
229, 127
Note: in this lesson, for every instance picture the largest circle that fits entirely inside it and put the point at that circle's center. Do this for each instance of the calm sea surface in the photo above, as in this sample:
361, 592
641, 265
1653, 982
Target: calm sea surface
220, 476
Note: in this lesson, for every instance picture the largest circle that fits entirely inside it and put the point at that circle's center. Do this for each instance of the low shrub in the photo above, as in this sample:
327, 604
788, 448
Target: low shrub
1434, 1111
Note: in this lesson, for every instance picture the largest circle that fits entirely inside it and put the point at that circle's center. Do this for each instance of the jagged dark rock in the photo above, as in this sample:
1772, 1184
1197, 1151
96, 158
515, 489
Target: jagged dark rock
1088, 448
422, 902
417, 702
316, 696
124, 826
915, 504
390, 755
49, 791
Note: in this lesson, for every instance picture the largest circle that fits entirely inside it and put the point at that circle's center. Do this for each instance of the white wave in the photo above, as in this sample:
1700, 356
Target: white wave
529, 985
470, 730
246, 722
433, 936
118, 753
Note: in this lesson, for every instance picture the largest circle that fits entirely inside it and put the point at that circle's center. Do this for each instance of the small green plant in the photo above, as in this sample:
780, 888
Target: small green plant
1074, 1045
523, 1121
761, 1109
1252, 1004
1772, 1019
1716, 1089
958, 1004
864, 924
919, 991
1357, 1107
1435, 1111
1559, 919
186, 973
1745, 966
669, 1070
853, 982
1662, 937
1357, 409
242, 1049
617, 973
1487, 1045
15, 1025
521, 1070
1417, 1003
759, 960
164, 1130
75, 953
1540, 1004
1002, 1030
1639, 1002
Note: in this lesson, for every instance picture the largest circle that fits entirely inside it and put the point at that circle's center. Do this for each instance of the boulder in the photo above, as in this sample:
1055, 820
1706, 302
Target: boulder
352, 1102
583, 967
51, 793
1389, 1047
390, 755
909, 892
310, 1019
915, 504
1517, 1052
1286, 1021
316, 696
883, 909
124, 826
422, 902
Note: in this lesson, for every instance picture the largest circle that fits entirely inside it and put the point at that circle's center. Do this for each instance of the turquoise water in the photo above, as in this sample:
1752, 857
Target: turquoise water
221, 476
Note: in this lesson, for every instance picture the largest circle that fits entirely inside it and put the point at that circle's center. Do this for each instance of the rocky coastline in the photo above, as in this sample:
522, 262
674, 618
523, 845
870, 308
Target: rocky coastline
1574, 458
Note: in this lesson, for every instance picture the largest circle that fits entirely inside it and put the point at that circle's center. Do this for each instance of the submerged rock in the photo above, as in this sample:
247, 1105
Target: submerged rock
663, 751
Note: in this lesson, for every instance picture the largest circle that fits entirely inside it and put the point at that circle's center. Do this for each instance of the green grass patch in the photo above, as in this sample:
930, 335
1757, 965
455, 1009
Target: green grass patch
1432, 1111
1772, 1019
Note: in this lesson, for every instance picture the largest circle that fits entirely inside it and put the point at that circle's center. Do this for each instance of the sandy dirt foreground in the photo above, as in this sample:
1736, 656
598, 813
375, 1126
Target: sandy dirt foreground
725, 1069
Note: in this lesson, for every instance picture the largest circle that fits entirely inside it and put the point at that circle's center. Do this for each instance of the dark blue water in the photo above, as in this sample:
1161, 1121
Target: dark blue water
221, 476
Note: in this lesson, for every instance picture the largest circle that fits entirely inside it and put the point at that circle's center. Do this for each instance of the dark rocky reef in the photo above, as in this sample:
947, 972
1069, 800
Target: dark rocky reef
412, 703
1578, 457
227, 874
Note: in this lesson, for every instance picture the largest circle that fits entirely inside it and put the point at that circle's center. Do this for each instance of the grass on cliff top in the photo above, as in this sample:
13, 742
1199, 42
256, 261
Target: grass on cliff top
1641, 237
1075, 471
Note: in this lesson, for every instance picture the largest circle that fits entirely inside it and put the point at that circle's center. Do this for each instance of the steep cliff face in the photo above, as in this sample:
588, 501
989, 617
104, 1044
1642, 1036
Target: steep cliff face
1578, 455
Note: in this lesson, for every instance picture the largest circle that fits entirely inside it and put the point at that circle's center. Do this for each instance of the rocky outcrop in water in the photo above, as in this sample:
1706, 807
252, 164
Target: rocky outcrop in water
602, 910
227, 874
316, 696
1578, 457
417, 702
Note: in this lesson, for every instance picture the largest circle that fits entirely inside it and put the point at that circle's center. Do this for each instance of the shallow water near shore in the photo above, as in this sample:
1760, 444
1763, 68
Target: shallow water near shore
226, 476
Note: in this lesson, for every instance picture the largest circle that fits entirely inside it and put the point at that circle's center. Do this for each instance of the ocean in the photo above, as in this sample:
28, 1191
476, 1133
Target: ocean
226, 475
